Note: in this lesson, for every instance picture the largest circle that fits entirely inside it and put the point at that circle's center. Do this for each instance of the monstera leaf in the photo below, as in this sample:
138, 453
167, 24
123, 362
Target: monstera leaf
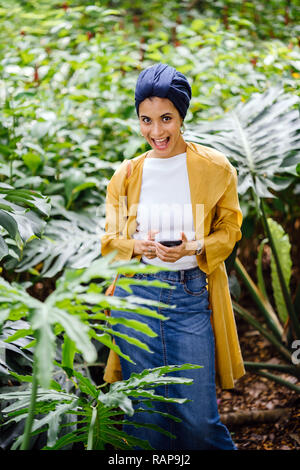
22, 214
72, 242
261, 138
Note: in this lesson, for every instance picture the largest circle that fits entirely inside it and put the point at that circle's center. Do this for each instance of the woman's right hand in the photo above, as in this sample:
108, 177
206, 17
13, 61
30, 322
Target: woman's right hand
145, 247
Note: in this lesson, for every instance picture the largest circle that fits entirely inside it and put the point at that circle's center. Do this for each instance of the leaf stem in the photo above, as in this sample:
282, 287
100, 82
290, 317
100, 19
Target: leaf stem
285, 368
267, 334
259, 271
262, 303
91, 428
277, 379
31, 410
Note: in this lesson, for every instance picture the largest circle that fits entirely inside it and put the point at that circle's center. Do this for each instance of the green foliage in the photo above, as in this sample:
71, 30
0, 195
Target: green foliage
70, 241
261, 138
91, 411
75, 308
74, 311
22, 214
67, 119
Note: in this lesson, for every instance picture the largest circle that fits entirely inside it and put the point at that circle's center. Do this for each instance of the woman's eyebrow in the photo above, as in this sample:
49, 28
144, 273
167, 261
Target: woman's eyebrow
165, 114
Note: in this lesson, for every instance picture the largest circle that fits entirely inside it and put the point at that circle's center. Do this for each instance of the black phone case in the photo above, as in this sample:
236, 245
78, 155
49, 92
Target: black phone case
171, 242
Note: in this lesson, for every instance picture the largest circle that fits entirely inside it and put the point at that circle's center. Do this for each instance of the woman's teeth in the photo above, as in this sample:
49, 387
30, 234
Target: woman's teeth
161, 142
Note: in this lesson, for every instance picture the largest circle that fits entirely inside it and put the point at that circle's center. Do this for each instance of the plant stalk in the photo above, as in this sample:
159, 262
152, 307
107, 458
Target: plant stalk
91, 428
262, 303
256, 324
285, 368
259, 271
31, 410
278, 379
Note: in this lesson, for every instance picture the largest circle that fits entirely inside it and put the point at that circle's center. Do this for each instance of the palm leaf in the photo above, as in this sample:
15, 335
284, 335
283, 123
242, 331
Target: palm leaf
21, 216
71, 243
261, 138
97, 428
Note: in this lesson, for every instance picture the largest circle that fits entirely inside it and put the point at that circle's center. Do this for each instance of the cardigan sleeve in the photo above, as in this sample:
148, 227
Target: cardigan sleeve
225, 230
116, 216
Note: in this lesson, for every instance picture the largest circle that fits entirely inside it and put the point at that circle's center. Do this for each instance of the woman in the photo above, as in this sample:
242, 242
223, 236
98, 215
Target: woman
183, 192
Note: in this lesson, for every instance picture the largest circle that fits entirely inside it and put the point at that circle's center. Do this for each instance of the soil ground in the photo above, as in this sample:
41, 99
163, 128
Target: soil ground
253, 392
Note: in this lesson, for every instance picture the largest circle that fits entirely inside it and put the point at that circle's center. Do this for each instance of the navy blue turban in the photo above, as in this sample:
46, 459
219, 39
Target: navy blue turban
165, 82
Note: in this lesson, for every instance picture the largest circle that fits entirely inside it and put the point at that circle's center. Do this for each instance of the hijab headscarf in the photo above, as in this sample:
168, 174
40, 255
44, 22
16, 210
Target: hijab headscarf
163, 81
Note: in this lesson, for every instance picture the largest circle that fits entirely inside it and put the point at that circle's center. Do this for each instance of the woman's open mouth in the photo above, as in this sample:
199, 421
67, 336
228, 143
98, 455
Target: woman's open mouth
161, 144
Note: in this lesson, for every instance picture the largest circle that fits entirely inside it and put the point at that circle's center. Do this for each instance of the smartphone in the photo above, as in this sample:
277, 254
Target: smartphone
171, 242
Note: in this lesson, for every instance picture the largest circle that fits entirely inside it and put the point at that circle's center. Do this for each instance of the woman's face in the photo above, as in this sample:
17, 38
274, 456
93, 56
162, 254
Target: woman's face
160, 124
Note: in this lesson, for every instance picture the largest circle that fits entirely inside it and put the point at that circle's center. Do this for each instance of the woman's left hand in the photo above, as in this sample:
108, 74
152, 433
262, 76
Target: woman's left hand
173, 253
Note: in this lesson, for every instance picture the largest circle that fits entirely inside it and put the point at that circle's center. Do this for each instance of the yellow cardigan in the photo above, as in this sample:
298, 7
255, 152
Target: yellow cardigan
213, 183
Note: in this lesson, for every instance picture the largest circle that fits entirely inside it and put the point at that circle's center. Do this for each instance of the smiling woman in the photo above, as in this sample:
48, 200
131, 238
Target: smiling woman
160, 124
182, 214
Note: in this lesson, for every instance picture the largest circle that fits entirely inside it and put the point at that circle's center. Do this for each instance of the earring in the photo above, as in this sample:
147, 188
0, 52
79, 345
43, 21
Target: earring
182, 130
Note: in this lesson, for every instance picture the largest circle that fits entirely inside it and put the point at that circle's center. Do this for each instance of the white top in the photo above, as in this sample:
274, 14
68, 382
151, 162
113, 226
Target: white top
165, 205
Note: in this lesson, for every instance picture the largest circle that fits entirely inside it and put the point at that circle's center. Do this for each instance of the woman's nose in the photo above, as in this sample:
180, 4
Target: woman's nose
157, 130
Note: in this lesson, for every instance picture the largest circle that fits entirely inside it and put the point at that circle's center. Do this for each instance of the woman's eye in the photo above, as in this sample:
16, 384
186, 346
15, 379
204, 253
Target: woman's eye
147, 120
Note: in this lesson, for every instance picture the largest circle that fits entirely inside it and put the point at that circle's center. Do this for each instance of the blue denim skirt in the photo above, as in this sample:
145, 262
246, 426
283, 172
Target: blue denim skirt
186, 337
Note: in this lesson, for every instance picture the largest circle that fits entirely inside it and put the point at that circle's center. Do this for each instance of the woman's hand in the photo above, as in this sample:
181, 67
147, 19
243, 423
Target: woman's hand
174, 253
146, 247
